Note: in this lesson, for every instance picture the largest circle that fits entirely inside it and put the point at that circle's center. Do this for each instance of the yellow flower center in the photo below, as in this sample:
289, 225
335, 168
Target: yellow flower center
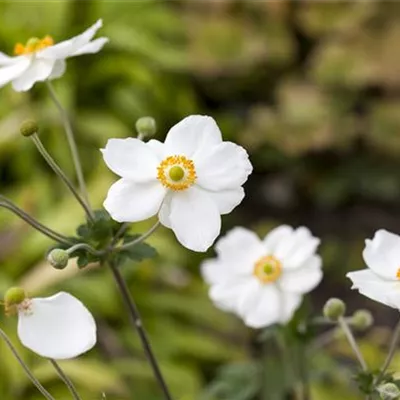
33, 45
398, 274
176, 173
267, 269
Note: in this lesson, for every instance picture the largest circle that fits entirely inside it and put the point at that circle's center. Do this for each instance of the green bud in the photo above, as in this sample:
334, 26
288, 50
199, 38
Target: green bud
146, 126
58, 258
388, 391
14, 296
334, 308
362, 319
29, 127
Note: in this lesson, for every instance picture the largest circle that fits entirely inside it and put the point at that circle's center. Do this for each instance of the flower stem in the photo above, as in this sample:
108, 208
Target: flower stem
55, 167
5, 203
65, 379
84, 246
137, 322
353, 344
139, 239
71, 142
28, 372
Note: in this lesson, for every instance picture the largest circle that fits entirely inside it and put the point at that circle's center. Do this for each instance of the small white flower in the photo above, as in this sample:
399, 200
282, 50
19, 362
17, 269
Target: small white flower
41, 59
190, 180
58, 327
263, 281
381, 280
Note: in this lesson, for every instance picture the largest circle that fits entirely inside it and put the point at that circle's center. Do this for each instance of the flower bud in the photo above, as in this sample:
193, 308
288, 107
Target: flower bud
58, 258
388, 391
146, 126
29, 127
362, 319
14, 296
334, 308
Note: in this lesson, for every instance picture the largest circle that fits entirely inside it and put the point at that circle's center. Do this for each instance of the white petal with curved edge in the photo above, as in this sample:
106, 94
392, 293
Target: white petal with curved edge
128, 201
13, 70
58, 69
382, 254
214, 271
191, 135
92, 47
7, 60
290, 303
158, 148
227, 200
303, 279
59, 327
222, 167
131, 158
165, 211
195, 219
38, 71
68, 47
276, 236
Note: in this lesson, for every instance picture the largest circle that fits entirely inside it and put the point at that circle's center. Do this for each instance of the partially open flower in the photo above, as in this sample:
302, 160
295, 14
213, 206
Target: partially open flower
263, 281
380, 282
41, 59
58, 327
190, 180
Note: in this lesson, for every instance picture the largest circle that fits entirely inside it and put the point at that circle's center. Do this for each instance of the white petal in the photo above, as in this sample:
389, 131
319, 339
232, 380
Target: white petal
222, 167
214, 271
13, 70
38, 71
92, 47
227, 200
59, 327
67, 48
290, 303
240, 248
165, 211
158, 148
7, 60
58, 69
128, 201
131, 158
303, 279
382, 254
276, 236
195, 219
192, 134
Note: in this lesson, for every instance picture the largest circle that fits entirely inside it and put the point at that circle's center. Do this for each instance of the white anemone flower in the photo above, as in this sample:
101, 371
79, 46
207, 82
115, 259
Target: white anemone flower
58, 327
190, 180
41, 59
263, 281
381, 280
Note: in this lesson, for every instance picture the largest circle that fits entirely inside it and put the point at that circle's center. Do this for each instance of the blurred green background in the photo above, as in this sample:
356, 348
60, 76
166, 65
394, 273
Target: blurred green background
311, 89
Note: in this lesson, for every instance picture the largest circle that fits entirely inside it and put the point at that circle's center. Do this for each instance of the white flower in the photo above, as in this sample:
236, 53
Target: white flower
381, 281
263, 281
41, 59
189, 180
58, 327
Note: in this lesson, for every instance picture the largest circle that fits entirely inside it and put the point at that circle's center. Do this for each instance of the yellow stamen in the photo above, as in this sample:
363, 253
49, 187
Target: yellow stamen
398, 274
267, 269
33, 45
176, 173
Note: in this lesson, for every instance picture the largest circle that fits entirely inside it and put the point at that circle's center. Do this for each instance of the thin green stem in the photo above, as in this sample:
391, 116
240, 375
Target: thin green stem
71, 142
85, 246
28, 372
65, 379
139, 239
353, 344
55, 167
123, 228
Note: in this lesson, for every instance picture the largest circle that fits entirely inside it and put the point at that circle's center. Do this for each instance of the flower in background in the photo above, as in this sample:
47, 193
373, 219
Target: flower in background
190, 180
58, 327
263, 281
381, 280
41, 59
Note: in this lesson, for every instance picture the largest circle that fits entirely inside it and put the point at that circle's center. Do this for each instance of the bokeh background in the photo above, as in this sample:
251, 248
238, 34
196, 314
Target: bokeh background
311, 89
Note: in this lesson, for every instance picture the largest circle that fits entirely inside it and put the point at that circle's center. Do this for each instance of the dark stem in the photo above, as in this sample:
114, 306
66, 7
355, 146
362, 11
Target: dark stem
137, 323
65, 379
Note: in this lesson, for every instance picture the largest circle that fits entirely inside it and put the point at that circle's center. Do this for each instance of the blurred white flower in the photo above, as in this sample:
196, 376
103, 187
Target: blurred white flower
41, 59
58, 327
263, 281
381, 280
189, 180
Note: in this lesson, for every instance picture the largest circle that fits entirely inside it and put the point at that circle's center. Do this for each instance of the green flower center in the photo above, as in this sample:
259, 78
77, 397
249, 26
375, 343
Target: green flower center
176, 173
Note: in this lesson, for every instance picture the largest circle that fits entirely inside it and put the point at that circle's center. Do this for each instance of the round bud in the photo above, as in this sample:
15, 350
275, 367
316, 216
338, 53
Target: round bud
146, 126
58, 258
388, 391
334, 308
29, 127
362, 319
14, 296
